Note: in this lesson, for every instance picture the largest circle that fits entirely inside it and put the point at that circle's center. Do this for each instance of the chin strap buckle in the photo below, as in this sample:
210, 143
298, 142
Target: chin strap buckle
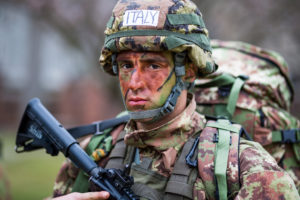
172, 99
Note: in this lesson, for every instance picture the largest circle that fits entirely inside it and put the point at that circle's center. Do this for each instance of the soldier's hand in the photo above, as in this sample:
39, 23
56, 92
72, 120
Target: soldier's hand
84, 196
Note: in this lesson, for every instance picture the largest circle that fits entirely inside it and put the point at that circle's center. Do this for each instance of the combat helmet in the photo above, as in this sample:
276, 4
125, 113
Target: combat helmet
159, 25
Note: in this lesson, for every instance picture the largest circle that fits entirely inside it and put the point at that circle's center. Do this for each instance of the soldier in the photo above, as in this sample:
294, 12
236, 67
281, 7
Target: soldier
157, 48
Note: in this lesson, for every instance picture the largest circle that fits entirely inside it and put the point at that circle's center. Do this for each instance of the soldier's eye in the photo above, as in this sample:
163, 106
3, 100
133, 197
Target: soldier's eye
126, 66
154, 66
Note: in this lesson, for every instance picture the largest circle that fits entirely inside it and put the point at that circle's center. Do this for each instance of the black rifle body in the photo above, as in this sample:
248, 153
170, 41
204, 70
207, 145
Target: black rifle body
42, 128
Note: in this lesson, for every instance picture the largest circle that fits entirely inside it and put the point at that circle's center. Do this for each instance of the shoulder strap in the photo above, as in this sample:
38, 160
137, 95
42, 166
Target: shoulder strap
234, 95
218, 152
179, 185
97, 127
121, 154
117, 155
223, 141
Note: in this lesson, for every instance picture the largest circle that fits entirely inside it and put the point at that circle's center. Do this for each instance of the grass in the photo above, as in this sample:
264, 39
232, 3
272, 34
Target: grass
31, 174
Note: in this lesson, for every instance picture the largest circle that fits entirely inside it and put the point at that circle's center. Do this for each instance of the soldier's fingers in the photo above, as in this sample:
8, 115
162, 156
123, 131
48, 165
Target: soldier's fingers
85, 196
95, 195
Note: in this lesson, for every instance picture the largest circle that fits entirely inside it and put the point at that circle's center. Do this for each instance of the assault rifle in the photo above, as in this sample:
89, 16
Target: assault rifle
39, 128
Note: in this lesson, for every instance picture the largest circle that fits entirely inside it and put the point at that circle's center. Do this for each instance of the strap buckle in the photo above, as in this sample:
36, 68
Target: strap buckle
190, 155
98, 128
224, 90
168, 108
244, 77
289, 136
172, 99
216, 138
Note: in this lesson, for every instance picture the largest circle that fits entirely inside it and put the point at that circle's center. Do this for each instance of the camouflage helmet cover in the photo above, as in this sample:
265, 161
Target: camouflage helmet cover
158, 25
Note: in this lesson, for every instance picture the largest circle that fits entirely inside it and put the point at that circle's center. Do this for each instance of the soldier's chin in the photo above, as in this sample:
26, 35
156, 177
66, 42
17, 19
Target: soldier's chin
147, 120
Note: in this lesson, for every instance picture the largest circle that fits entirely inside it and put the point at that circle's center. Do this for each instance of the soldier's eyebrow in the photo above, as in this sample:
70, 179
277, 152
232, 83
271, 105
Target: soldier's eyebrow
124, 59
145, 57
153, 58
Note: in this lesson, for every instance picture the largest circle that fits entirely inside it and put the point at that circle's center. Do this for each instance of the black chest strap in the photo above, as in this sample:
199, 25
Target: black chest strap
117, 155
183, 177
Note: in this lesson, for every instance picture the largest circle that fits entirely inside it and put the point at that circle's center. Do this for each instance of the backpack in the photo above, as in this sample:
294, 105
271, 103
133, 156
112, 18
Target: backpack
252, 88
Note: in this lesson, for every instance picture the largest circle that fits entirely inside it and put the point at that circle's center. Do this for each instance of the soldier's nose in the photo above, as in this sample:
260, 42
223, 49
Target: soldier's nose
136, 81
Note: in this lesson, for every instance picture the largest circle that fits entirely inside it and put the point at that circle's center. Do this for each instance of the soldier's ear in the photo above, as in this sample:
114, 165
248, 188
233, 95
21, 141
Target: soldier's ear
190, 72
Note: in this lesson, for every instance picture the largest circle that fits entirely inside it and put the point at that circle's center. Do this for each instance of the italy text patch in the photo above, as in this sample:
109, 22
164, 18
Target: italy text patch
141, 18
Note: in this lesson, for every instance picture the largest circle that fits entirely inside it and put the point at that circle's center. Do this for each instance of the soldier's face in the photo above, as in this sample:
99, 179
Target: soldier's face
144, 78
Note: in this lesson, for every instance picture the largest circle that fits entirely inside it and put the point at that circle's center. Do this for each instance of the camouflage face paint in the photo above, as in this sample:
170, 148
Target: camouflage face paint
170, 75
146, 79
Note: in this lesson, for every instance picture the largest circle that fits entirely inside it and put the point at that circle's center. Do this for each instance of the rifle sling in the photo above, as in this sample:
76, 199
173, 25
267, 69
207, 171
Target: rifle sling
97, 127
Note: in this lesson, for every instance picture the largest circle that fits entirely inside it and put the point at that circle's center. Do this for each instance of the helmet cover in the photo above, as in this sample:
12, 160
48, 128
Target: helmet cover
158, 25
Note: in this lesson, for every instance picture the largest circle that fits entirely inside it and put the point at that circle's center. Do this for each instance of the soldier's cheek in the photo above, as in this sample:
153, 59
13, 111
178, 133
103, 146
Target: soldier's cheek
124, 84
154, 82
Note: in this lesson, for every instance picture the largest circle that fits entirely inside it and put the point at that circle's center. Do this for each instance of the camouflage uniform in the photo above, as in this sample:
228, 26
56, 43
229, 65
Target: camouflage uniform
260, 176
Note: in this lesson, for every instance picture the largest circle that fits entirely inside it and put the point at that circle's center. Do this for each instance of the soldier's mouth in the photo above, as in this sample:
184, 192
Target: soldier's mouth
136, 101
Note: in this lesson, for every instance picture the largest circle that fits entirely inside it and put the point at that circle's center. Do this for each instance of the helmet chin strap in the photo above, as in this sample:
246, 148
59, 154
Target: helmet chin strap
171, 101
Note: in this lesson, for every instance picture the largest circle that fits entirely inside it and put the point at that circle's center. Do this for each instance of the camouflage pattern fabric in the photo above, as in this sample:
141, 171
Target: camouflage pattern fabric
65, 179
268, 81
190, 35
163, 143
260, 175
264, 101
251, 166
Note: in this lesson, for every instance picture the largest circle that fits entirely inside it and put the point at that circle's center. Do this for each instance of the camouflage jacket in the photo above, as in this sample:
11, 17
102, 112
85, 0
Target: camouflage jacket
260, 176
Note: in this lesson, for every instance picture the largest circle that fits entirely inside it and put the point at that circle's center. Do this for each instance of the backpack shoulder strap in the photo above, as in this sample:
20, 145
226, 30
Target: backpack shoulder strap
223, 142
121, 154
218, 158
180, 184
